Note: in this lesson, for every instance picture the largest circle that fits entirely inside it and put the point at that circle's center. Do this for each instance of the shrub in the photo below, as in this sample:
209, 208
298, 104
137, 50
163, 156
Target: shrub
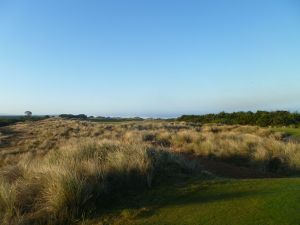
149, 137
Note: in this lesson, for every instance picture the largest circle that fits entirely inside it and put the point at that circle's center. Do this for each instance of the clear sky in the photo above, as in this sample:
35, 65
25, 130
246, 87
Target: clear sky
148, 57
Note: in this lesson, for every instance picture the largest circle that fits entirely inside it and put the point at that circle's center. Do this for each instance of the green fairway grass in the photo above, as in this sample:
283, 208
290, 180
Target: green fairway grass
230, 202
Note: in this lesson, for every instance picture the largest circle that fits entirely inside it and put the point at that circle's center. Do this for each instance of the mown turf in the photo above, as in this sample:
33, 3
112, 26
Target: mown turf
255, 202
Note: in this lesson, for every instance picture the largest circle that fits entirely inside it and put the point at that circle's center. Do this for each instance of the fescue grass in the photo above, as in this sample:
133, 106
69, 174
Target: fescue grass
59, 171
80, 179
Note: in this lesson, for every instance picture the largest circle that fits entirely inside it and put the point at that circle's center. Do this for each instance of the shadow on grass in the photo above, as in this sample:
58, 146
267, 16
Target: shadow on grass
183, 190
193, 192
8, 134
244, 166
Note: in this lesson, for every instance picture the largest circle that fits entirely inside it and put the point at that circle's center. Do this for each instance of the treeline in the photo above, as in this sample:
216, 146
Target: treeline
260, 118
9, 120
99, 118
114, 119
71, 116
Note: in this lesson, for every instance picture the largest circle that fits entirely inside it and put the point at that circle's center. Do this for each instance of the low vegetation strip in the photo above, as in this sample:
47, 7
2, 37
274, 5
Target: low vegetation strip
9, 120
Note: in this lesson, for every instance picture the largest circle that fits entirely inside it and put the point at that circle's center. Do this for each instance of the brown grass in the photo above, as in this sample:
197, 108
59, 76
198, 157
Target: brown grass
250, 145
59, 171
79, 179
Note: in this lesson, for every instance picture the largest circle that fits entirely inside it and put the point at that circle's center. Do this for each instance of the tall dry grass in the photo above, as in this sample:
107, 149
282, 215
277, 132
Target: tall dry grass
59, 171
251, 144
243, 145
80, 179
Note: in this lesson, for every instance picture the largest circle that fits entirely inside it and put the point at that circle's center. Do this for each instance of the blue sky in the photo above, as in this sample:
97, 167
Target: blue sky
149, 58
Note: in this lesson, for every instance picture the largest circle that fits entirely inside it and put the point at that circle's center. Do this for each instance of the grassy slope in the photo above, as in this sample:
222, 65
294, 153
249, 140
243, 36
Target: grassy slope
257, 201
291, 131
